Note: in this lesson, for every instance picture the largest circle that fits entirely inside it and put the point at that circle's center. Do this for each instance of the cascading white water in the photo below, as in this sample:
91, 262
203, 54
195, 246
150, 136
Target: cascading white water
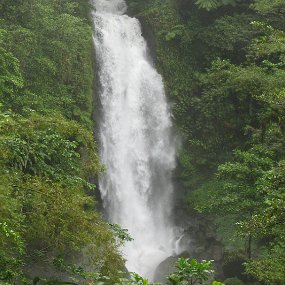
137, 146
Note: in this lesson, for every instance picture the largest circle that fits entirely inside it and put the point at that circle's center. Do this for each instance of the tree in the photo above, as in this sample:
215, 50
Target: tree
191, 272
267, 226
10, 76
214, 4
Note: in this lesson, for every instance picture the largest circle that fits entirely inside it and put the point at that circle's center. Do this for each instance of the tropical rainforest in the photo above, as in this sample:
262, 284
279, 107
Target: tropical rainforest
223, 66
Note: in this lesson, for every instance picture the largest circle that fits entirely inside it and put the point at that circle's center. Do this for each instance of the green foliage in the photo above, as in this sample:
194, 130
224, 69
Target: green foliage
223, 63
176, 32
47, 151
57, 215
267, 225
228, 34
76, 273
12, 235
54, 49
121, 234
190, 271
49, 146
235, 194
214, 4
11, 251
270, 8
10, 76
269, 47
12, 246
134, 279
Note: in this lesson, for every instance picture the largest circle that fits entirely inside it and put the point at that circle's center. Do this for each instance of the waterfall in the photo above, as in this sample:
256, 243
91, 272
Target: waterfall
137, 144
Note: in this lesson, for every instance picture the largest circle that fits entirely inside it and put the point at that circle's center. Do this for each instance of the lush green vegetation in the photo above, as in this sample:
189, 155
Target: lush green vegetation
48, 154
187, 272
223, 63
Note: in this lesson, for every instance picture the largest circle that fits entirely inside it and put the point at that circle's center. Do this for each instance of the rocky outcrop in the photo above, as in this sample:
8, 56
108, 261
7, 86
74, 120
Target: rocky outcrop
198, 237
166, 267
148, 34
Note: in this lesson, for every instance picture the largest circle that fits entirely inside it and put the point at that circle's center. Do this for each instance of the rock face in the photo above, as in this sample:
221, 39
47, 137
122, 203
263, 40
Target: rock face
201, 241
147, 33
199, 244
166, 267
198, 238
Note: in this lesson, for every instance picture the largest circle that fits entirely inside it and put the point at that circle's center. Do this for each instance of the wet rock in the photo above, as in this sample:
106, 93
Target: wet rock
167, 267
233, 281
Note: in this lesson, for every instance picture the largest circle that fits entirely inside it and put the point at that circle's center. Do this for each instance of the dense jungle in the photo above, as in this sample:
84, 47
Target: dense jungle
222, 64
